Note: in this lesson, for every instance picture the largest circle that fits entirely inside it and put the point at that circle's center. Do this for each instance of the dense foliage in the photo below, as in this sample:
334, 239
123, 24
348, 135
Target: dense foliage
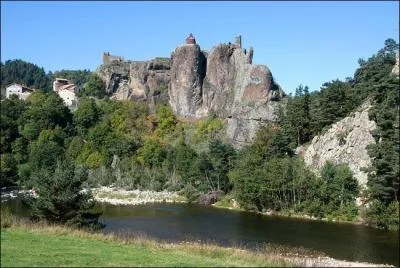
107, 142
25, 73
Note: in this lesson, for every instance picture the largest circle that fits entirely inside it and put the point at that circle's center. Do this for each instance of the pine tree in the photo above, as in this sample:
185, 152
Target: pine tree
61, 197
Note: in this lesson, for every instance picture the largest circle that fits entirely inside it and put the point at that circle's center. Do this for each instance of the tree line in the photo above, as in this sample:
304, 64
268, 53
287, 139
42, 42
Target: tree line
47, 147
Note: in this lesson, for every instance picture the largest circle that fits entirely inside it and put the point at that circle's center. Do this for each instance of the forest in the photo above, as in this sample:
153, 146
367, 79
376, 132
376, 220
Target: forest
59, 152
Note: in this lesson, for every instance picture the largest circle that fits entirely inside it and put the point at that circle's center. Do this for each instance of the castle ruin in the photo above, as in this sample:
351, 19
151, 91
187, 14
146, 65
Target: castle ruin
109, 59
238, 41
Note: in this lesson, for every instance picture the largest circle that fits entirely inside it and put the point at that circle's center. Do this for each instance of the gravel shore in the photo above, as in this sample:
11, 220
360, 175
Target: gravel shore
330, 262
117, 196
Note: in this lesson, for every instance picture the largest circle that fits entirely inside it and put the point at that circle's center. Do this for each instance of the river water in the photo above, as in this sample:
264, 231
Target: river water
189, 222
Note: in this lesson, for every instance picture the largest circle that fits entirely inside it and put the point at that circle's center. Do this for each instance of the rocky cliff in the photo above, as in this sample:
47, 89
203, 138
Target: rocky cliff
224, 82
137, 80
195, 83
344, 142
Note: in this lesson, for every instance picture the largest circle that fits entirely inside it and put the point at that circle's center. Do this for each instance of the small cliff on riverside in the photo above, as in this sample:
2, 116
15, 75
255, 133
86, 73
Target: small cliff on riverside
196, 83
344, 142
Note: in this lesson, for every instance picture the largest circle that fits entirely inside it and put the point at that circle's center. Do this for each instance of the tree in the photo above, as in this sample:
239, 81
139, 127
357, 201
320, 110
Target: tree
61, 197
221, 157
47, 149
86, 115
8, 168
332, 103
44, 111
341, 187
10, 117
22, 72
93, 87
166, 120
152, 153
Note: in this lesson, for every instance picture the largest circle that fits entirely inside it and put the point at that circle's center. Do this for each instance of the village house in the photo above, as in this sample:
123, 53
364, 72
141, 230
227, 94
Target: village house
21, 91
66, 91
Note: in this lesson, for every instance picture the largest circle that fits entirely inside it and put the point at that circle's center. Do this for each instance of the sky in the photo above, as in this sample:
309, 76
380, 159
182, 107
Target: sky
306, 43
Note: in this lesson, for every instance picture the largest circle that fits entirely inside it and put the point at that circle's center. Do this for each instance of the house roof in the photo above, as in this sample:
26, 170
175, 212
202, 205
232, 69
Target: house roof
70, 87
24, 88
61, 79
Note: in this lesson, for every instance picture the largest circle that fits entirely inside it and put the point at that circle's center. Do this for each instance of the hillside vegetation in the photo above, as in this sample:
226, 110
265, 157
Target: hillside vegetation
122, 143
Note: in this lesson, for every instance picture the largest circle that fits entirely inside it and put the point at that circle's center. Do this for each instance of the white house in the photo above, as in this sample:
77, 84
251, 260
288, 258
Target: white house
21, 91
66, 91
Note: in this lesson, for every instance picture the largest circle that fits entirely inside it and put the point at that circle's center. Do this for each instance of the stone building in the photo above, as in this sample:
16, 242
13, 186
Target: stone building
238, 41
109, 59
21, 91
66, 91
190, 40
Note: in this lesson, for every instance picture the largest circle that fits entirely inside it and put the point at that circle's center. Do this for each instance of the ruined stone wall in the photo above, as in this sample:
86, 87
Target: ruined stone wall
110, 59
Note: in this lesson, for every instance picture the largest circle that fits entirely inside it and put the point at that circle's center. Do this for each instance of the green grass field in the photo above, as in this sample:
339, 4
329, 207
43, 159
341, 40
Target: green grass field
43, 245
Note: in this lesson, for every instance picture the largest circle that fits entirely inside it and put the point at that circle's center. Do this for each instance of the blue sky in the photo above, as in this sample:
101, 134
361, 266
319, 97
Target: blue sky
305, 43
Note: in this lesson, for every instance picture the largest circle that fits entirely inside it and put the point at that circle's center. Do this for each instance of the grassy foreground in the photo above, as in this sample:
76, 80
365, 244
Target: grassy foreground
26, 244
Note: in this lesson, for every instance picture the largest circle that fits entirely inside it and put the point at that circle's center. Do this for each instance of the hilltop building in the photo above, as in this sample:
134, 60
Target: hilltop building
21, 91
110, 59
66, 91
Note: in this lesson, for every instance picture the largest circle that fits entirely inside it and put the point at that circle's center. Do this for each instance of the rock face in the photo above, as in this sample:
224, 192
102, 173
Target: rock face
226, 83
137, 80
344, 142
196, 83
395, 69
187, 74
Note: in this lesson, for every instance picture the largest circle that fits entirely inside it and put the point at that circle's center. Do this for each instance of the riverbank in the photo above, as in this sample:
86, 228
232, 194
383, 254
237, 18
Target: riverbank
53, 245
227, 202
114, 196
117, 196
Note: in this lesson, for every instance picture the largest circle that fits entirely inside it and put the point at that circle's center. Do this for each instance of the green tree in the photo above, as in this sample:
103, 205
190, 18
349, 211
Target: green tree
166, 120
48, 149
221, 157
22, 72
330, 104
11, 117
152, 153
93, 87
86, 115
61, 197
341, 187
45, 111
8, 168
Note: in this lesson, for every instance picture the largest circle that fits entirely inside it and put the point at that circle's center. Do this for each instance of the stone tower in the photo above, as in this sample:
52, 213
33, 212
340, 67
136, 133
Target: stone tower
238, 41
190, 39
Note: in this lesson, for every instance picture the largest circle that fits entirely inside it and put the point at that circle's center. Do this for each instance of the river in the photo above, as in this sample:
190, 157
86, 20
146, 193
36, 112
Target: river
189, 222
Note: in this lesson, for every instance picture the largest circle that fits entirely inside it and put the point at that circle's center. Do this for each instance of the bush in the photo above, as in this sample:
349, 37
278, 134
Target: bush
100, 177
210, 197
61, 198
190, 192
386, 217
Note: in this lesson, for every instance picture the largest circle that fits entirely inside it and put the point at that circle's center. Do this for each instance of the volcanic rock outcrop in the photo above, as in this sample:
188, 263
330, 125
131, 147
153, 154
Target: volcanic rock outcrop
196, 83
136, 80
224, 82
